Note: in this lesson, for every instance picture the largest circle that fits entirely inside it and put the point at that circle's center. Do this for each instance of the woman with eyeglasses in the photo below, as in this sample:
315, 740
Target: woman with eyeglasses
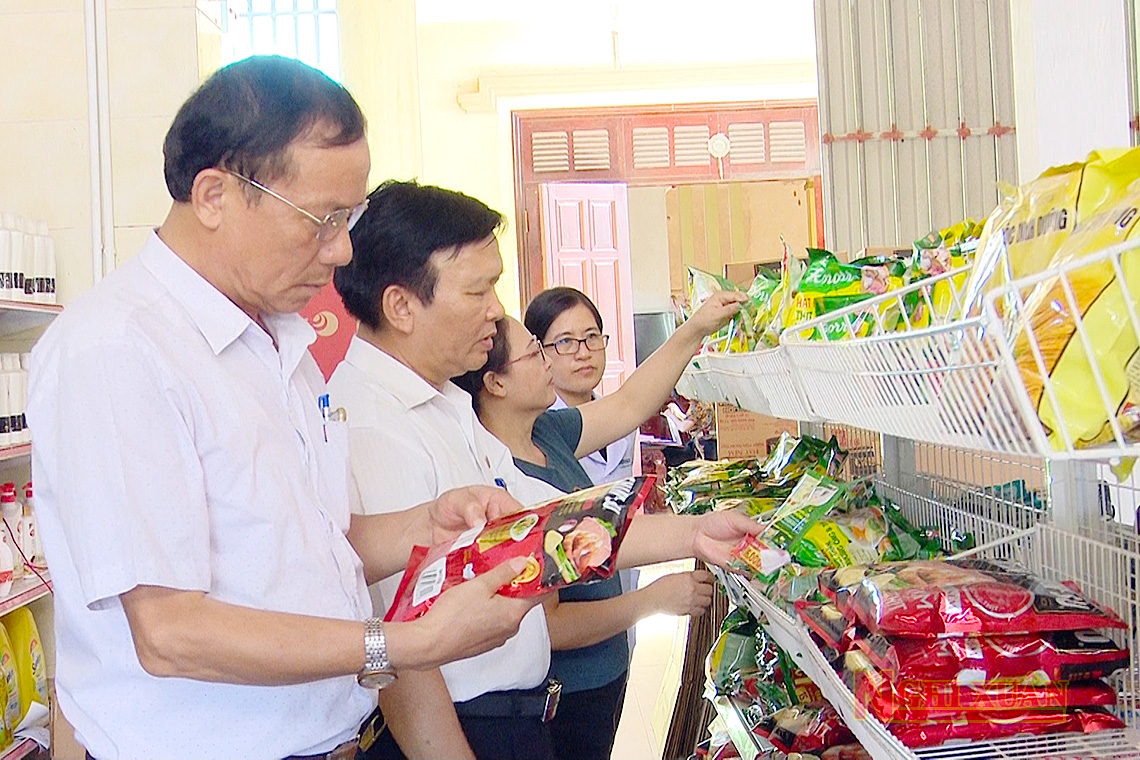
512, 395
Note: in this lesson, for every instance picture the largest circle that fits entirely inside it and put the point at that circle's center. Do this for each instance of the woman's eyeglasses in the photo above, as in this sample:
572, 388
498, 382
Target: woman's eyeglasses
569, 346
530, 354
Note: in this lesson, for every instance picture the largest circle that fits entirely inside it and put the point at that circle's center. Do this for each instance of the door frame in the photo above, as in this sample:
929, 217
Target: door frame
531, 271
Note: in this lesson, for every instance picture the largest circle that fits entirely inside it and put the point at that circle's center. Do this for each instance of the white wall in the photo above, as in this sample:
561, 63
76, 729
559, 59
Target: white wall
45, 166
1070, 80
460, 42
649, 249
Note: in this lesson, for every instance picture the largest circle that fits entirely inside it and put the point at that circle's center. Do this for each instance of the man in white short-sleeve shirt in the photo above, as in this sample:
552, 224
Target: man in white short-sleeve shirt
195, 502
422, 284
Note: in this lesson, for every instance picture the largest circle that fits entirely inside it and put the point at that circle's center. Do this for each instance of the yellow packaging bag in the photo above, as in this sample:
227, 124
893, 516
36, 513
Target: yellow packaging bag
31, 667
11, 680
1101, 303
1024, 231
1033, 221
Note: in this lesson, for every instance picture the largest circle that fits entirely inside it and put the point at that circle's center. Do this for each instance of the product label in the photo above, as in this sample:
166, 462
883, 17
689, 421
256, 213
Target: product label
430, 583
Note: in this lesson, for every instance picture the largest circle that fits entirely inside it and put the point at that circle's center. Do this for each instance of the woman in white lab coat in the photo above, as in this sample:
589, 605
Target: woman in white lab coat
570, 328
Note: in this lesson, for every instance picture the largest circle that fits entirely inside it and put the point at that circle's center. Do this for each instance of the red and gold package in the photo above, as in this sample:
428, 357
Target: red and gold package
570, 540
991, 726
931, 599
921, 701
808, 728
1038, 659
846, 752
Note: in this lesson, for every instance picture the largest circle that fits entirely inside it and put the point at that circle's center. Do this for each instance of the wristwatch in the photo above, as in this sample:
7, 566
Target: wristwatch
378, 671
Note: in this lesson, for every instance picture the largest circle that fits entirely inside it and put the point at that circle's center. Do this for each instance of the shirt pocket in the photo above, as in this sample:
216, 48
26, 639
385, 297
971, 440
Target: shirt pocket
333, 467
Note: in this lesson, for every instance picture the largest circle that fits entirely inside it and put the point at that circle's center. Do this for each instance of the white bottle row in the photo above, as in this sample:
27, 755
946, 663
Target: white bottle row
27, 260
13, 399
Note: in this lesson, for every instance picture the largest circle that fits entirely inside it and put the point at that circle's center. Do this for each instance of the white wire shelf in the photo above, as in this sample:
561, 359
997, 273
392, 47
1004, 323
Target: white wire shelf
748, 745
759, 381
879, 742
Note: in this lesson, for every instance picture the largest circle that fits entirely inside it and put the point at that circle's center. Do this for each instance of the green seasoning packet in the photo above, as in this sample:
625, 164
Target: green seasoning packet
814, 497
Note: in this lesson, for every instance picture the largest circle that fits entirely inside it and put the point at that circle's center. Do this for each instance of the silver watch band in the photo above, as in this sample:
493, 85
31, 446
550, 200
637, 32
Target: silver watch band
375, 646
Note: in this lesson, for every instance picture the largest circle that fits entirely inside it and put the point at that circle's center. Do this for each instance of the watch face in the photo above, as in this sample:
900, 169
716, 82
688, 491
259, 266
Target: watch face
375, 679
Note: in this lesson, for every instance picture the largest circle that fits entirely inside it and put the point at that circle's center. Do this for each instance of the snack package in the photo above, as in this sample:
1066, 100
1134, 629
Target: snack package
922, 700
930, 599
732, 659
807, 728
1032, 222
573, 539
1103, 306
941, 252
1037, 659
999, 725
752, 556
828, 285
826, 621
846, 752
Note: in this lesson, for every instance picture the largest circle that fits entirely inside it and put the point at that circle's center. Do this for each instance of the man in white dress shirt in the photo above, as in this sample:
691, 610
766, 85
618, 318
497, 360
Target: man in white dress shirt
422, 284
194, 496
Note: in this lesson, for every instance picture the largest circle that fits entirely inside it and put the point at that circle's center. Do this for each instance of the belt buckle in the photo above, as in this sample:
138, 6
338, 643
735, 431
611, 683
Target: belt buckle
553, 694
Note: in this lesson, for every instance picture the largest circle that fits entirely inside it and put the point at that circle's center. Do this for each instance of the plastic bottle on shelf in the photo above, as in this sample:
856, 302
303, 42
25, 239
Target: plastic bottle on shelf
9, 533
6, 437
25, 433
34, 282
16, 383
5, 260
31, 667
49, 272
13, 276
28, 539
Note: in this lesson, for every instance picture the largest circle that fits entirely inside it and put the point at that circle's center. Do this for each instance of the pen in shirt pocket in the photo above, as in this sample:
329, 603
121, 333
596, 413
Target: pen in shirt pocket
323, 405
501, 483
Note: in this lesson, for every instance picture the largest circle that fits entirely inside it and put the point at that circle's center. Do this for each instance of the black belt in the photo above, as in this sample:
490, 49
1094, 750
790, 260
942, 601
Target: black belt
540, 702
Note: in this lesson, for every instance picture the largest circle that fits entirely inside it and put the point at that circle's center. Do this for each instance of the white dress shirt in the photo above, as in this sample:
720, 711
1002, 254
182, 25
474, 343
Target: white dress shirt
410, 443
175, 447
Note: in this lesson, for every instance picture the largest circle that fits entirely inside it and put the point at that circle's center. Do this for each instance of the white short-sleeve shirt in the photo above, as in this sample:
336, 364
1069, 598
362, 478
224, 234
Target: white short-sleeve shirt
176, 447
410, 443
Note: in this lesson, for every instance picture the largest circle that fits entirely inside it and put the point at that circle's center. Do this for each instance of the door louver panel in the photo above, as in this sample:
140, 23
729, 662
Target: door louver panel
788, 141
747, 143
650, 147
550, 152
591, 149
691, 145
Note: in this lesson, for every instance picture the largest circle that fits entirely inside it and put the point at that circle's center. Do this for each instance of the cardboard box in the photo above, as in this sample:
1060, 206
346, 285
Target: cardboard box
741, 434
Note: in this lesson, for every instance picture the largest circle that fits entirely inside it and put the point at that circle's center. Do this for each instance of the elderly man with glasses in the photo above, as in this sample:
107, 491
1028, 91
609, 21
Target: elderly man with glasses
194, 493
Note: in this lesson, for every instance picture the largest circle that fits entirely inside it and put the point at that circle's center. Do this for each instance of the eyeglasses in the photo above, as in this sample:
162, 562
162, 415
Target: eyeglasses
569, 346
327, 228
530, 354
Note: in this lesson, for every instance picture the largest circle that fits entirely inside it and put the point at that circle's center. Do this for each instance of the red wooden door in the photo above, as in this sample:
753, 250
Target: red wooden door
585, 239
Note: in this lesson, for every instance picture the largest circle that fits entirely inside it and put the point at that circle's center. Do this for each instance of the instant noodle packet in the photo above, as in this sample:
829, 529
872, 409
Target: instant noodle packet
979, 726
1038, 659
930, 599
570, 540
923, 699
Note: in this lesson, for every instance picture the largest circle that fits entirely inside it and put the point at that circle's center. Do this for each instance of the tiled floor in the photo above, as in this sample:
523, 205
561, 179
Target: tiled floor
653, 680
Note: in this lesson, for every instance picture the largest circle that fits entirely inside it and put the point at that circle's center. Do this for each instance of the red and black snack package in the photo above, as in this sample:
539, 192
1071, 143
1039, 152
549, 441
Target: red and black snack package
930, 599
573, 539
828, 623
1040, 658
920, 701
991, 726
